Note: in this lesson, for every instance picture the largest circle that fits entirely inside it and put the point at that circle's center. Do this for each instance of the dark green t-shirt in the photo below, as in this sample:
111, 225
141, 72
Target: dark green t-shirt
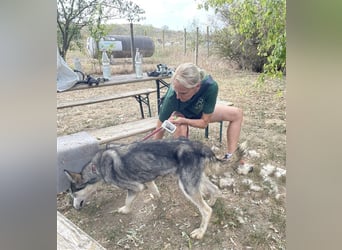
202, 102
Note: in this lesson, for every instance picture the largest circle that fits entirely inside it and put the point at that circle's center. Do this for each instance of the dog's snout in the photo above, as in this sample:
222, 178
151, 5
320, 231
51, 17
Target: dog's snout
78, 204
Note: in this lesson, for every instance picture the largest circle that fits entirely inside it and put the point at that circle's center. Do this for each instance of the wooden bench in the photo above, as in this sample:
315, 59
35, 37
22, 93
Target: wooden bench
142, 96
70, 236
117, 132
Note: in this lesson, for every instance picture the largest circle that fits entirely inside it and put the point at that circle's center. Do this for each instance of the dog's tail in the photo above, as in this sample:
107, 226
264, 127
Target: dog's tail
216, 166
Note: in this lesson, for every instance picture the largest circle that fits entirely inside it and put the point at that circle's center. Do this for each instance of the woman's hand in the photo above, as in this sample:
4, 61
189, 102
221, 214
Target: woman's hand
177, 120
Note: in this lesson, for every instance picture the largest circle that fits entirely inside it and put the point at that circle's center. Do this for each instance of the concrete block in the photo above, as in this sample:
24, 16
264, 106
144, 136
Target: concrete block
73, 152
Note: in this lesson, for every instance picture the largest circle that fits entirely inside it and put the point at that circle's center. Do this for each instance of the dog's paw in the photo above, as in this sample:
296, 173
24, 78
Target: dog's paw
198, 233
124, 210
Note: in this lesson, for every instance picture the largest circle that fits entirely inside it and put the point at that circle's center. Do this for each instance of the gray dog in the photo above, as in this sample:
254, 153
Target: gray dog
135, 165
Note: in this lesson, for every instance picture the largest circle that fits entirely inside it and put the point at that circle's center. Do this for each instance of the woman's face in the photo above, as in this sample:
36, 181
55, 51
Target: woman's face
184, 94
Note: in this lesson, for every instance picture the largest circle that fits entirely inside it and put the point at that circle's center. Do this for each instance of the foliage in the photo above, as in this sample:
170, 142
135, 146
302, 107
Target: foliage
259, 22
229, 45
74, 15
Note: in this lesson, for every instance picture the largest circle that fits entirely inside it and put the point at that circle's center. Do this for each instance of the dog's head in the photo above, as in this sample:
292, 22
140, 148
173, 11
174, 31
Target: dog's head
82, 185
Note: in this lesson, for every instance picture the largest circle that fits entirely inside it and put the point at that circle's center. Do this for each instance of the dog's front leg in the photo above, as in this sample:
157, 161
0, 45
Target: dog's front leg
196, 197
205, 211
131, 195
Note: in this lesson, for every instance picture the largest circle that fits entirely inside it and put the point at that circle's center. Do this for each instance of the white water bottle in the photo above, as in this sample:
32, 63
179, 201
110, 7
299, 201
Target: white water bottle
77, 64
106, 65
138, 64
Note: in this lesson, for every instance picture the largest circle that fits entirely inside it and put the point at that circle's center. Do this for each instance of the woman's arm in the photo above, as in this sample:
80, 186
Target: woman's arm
197, 123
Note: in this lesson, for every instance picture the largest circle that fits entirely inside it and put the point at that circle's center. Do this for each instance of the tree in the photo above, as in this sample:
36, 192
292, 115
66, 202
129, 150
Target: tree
73, 15
260, 22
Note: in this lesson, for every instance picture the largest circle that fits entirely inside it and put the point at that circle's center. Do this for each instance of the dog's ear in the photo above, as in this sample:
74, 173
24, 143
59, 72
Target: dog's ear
73, 177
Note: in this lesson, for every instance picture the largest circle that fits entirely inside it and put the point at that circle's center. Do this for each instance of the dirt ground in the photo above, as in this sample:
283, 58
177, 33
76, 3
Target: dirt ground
251, 213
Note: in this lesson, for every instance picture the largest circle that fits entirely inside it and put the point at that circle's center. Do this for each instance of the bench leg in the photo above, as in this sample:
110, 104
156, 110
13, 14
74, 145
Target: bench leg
138, 98
148, 105
145, 100
206, 132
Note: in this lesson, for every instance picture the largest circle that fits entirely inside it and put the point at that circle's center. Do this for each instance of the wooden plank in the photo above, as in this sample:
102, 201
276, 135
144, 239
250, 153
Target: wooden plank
97, 99
113, 133
71, 237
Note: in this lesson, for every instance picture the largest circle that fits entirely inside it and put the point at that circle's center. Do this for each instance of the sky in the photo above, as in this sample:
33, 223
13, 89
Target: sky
176, 14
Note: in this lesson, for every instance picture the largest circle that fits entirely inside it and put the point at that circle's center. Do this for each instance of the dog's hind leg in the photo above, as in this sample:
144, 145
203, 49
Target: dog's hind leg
131, 196
196, 197
153, 188
208, 188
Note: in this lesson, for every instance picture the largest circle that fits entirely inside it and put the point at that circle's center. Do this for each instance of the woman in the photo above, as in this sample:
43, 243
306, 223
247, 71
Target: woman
191, 101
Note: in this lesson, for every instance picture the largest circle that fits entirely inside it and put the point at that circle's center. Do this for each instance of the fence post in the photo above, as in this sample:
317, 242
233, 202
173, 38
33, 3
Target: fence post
196, 49
132, 46
207, 41
163, 39
184, 41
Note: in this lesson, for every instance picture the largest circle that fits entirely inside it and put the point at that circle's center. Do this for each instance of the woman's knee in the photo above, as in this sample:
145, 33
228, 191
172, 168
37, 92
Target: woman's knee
227, 113
239, 114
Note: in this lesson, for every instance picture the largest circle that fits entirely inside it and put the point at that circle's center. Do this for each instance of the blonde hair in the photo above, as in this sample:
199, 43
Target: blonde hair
189, 75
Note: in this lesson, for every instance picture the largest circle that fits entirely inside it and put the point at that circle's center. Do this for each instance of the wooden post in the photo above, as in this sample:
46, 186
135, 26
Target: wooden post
132, 45
184, 41
196, 49
207, 41
163, 39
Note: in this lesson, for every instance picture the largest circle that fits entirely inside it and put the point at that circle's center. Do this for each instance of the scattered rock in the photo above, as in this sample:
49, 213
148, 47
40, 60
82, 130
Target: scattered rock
247, 182
255, 188
226, 183
280, 172
271, 185
240, 220
253, 154
279, 196
244, 169
267, 170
